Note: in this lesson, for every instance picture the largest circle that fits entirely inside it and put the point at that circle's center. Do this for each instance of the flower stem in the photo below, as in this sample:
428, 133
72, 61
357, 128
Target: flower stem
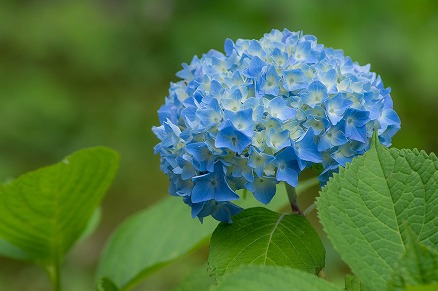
292, 195
309, 209
54, 272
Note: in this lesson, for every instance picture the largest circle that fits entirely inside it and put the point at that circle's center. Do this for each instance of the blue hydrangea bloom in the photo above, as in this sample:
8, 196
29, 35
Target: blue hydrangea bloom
263, 112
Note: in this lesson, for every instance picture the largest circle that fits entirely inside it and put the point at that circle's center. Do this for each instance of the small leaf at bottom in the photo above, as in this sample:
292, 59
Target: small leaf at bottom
262, 237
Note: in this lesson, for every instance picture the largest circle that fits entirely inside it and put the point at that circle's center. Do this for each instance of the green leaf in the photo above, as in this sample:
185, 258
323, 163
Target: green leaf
263, 237
152, 239
269, 278
44, 212
106, 284
92, 224
419, 266
11, 251
364, 207
198, 279
353, 283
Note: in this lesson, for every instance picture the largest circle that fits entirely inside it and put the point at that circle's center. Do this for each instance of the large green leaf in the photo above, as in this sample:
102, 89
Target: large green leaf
364, 207
263, 237
418, 266
11, 251
44, 212
269, 278
151, 239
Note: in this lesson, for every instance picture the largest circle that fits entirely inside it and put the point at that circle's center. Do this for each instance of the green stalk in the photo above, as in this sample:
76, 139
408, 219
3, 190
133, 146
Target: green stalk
54, 272
293, 193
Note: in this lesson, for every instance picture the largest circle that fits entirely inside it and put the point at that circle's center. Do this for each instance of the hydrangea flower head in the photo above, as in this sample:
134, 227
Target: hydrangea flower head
263, 112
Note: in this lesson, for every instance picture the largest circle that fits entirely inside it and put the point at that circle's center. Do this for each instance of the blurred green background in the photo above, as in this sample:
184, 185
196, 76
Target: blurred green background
81, 73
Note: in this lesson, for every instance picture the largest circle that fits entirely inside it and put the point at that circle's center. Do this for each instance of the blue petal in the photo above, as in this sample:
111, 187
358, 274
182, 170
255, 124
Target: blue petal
334, 136
231, 138
387, 118
288, 174
317, 124
356, 133
225, 210
343, 155
202, 156
224, 192
315, 94
278, 140
329, 79
203, 189
255, 68
212, 186
354, 117
279, 57
294, 80
327, 173
255, 48
288, 168
228, 47
279, 109
263, 189
211, 115
241, 169
242, 121
269, 82
307, 149
386, 136
303, 52
336, 107
259, 161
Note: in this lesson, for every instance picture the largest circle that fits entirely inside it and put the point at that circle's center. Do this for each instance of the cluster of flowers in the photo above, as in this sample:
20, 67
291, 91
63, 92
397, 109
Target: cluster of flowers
262, 113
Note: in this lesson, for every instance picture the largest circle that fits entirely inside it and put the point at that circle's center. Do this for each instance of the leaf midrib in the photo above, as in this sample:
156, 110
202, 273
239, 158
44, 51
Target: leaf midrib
379, 158
55, 238
270, 236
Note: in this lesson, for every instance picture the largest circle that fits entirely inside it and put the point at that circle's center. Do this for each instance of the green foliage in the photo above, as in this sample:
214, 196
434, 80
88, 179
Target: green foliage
418, 266
9, 250
44, 212
263, 237
364, 208
151, 239
269, 278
